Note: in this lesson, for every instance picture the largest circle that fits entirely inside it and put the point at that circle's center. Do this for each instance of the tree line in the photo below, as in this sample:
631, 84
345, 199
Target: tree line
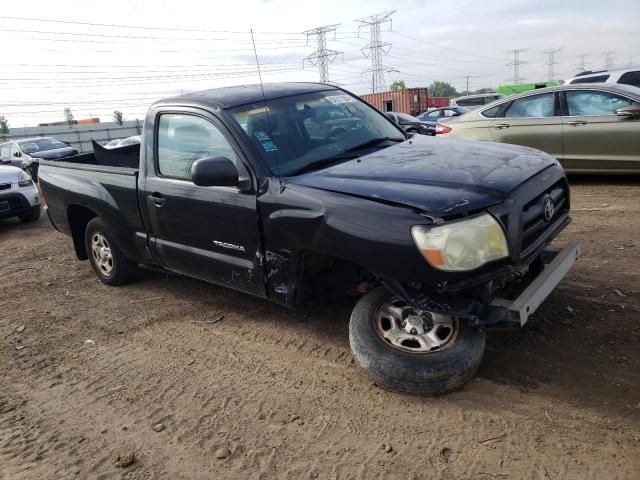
440, 89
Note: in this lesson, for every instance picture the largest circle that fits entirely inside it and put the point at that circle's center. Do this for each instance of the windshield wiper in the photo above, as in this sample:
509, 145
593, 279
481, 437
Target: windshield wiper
348, 154
318, 164
374, 141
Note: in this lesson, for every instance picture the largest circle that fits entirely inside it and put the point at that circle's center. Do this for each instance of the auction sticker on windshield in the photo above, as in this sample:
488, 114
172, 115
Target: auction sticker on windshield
338, 99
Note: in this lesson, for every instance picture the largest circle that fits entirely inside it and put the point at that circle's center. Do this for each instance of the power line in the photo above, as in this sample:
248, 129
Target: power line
551, 61
448, 48
139, 37
608, 59
582, 66
467, 77
376, 48
322, 57
516, 64
138, 27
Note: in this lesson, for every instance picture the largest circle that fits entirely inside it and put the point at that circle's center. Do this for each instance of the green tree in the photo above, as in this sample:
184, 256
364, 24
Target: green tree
118, 117
397, 85
4, 124
442, 89
68, 117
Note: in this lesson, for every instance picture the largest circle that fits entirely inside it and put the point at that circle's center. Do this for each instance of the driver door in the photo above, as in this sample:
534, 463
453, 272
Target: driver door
211, 233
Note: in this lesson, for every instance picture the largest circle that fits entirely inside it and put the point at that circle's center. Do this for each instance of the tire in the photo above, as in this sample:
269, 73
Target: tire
31, 216
431, 373
108, 262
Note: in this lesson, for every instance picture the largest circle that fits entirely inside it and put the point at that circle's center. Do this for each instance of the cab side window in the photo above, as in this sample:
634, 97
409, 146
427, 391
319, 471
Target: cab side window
532, 106
15, 151
183, 139
5, 150
591, 102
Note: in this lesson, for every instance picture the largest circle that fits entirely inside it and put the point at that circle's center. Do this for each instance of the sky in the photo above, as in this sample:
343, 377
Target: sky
96, 56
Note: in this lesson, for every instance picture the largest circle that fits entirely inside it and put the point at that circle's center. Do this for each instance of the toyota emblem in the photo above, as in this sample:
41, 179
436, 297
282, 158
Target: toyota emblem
549, 209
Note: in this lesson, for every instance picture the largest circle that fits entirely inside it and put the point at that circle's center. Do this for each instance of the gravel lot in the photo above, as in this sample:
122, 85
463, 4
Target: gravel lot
89, 371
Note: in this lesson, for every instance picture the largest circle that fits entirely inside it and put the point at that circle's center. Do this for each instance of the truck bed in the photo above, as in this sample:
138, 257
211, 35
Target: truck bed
124, 157
94, 184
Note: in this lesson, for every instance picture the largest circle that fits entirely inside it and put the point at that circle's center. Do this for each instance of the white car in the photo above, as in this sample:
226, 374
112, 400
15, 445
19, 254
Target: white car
19, 196
627, 76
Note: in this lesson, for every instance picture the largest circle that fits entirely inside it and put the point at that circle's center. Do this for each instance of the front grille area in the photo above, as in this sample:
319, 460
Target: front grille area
5, 186
534, 222
16, 203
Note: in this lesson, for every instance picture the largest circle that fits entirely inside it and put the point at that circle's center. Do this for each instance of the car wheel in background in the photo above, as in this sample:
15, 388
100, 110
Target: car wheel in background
412, 350
106, 258
31, 216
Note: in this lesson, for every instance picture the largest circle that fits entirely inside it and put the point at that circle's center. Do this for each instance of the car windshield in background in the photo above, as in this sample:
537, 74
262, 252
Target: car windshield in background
40, 145
296, 133
406, 118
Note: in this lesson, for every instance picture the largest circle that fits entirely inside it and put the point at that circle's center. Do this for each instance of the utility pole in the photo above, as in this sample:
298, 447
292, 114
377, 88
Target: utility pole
516, 64
608, 59
322, 57
582, 66
467, 77
376, 48
630, 61
551, 62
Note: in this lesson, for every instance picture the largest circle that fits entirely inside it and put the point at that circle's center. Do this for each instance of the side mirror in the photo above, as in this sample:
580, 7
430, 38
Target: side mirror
17, 154
214, 172
630, 111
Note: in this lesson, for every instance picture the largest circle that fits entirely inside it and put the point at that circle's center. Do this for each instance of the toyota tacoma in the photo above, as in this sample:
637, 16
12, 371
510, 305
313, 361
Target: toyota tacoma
299, 190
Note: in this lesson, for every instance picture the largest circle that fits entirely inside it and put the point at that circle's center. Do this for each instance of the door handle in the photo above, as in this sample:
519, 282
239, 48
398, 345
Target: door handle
575, 123
157, 199
501, 126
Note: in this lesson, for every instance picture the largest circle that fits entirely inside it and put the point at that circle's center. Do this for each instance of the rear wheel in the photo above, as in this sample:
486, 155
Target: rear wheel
107, 260
413, 350
31, 216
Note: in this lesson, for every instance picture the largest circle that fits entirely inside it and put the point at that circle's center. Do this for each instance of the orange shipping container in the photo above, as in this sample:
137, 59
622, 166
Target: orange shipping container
412, 101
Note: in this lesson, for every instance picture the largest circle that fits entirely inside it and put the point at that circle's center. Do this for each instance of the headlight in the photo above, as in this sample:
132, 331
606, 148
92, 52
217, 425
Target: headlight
462, 245
24, 180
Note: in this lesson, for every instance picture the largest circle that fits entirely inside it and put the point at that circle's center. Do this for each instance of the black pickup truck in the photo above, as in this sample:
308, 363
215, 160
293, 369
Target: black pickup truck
299, 190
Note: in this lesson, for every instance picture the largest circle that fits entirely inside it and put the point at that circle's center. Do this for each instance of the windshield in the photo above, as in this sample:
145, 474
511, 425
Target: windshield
40, 145
403, 117
296, 132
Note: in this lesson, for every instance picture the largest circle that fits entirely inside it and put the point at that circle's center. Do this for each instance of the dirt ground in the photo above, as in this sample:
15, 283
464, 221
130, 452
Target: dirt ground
87, 371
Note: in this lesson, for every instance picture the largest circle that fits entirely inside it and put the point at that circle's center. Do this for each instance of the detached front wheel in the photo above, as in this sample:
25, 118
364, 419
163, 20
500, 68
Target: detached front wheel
413, 350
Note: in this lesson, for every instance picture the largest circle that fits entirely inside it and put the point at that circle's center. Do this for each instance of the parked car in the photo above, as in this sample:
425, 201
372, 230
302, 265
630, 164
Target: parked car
626, 76
438, 114
472, 101
439, 237
588, 128
411, 124
25, 153
19, 196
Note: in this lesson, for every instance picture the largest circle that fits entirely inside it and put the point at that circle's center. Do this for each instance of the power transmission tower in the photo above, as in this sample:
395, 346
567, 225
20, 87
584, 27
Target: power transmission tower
516, 64
467, 77
322, 57
582, 66
608, 59
376, 48
551, 62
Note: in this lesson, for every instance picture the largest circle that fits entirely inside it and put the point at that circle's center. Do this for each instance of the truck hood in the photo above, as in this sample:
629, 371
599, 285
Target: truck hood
438, 176
9, 174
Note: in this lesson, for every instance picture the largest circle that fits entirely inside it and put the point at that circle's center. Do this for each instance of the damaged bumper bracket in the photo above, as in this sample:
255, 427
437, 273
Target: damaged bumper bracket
538, 290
